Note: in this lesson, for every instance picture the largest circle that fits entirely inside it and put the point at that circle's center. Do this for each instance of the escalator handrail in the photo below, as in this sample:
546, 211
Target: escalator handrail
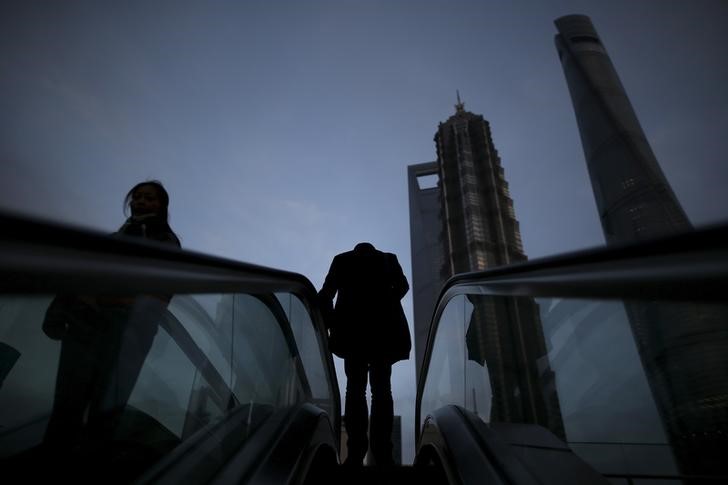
31, 247
691, 266
39, 257
697, 259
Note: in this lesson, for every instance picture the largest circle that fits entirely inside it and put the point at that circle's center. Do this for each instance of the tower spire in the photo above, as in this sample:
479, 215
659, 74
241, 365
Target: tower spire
460, 106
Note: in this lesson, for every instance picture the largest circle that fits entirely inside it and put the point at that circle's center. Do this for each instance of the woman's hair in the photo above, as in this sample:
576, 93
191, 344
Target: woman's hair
161, 193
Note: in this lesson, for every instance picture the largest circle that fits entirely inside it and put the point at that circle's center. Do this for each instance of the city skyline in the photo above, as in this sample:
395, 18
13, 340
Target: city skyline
282, 130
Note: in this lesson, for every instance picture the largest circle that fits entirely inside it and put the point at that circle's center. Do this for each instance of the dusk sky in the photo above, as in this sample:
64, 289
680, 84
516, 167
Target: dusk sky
283, 130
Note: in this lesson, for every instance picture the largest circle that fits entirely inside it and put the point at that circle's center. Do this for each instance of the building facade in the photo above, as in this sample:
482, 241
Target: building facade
636, 202
462, 220
426, 248
479, 226
633, 197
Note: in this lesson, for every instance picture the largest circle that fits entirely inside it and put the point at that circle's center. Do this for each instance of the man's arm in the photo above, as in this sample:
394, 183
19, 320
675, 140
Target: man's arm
327, 293
399, 281
331, 284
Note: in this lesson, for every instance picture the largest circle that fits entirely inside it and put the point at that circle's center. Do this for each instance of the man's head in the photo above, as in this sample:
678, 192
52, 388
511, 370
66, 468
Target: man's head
364, 247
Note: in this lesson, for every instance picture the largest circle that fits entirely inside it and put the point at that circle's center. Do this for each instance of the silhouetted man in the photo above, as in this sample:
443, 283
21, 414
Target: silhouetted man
369, 331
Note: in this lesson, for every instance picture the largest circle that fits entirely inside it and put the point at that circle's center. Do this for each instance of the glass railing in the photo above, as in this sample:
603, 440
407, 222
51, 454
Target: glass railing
116, 355
622, 353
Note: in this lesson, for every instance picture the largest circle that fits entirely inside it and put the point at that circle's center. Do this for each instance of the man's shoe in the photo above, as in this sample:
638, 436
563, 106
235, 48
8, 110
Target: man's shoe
352, 462
384, 462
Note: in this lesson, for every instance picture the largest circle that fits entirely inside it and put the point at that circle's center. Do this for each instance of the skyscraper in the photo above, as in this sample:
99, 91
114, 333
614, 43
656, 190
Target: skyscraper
479, 227
461, 213
462, 220
633, 197
427, 251
680, 344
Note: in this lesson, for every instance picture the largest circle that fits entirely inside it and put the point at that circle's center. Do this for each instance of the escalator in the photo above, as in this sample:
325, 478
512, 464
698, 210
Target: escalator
122, 361
604, 366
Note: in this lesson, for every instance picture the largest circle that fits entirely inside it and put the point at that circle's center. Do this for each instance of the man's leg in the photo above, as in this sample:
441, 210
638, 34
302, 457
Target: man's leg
380, 375
355, 411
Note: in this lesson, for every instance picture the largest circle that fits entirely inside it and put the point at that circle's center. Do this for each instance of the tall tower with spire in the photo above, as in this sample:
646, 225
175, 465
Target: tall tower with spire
462, 223
479, 226
461, 213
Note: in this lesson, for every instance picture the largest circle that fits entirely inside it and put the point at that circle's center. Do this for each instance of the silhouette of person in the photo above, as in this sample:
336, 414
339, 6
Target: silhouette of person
105, 339
369, 331
149, 206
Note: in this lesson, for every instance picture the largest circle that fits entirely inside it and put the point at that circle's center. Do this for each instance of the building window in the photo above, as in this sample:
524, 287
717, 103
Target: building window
635, 210
629, 183
585, 39
427, 181
480, 261
472, 198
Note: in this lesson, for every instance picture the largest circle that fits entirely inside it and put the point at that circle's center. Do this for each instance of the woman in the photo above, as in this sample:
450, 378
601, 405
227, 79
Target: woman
105, 339
148, 203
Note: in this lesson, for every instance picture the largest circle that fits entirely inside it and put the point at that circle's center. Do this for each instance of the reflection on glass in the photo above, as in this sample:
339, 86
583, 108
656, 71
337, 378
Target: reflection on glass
308, 341
683, 348
112, 385
609, 413
445, 378
508, 370
636, 388
28, 388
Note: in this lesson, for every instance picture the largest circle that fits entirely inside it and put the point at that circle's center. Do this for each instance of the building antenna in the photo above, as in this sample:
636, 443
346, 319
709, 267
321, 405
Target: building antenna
460, 106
